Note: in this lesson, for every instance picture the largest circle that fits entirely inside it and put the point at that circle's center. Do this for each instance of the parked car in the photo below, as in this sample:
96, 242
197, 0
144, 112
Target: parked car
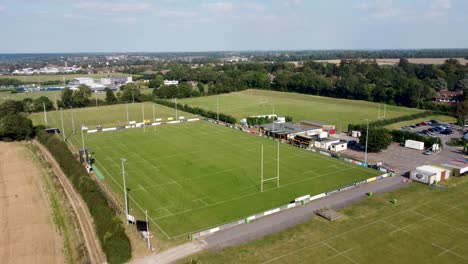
425, 131
446, 132
431, 130
404, 127
438, 129
412, 127
351, 143
434, 121
417, 125
428, 152
424, 123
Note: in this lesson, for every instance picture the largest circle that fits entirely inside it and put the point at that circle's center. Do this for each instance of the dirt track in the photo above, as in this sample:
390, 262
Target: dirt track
28, 234
79, 207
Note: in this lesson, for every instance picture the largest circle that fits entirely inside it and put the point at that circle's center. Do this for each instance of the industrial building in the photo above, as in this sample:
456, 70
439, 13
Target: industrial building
113, 82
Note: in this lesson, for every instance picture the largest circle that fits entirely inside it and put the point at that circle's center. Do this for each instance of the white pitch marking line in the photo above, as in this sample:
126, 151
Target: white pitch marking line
448, 250
340, 253
397, 228
432, 218
143, 188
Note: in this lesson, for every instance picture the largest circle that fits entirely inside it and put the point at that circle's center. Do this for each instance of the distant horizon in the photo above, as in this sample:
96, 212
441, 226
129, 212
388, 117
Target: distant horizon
222, 51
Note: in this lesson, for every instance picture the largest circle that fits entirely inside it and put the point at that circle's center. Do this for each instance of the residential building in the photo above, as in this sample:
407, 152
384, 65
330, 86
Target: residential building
448, 97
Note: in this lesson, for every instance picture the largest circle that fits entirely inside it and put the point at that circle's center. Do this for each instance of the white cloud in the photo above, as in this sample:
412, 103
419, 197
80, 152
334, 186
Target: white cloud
219, 6
292, 2
2, 8
438, 8
113, 7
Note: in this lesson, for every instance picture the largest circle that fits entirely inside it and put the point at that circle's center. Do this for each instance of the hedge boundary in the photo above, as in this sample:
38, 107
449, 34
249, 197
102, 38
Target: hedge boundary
198, 111
109, 228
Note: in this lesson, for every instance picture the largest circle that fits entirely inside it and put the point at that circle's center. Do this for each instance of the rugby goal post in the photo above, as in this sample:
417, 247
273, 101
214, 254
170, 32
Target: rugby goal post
277, 178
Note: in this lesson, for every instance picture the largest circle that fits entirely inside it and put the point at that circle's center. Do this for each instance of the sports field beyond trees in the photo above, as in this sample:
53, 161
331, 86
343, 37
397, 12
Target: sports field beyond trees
40, 78
112, 115
339, 112
428, 225
194, 176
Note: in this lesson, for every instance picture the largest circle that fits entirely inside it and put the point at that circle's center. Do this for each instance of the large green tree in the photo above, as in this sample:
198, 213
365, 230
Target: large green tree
379, 139
15, 127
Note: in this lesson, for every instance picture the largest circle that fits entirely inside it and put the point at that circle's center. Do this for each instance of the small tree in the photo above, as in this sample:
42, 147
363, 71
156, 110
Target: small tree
379, 139
39, 103
110, 96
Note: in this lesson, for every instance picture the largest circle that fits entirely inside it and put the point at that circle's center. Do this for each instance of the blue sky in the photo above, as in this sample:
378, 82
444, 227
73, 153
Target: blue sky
212, 25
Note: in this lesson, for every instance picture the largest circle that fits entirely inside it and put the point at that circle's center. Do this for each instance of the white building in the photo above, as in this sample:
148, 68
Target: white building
113, 82
325, 143
171, 82
429, 174
340, 146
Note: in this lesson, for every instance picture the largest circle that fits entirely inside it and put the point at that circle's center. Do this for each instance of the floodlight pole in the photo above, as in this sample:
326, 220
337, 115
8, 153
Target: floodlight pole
385, 111
63, 128
56, 105
96, 98
125, 189
278, 167
147, 229
133, 97
367, 140
176, 117
217, 108
378, 113
73, 122
45, 113
154, 119
143, 116
82, 137
127, 113
261, 171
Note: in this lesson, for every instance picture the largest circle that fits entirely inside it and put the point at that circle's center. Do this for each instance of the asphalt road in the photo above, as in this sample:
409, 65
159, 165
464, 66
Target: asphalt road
283, 220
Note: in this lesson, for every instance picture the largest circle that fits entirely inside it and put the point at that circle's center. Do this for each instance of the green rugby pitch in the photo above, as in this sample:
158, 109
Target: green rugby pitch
339, 112
198, 175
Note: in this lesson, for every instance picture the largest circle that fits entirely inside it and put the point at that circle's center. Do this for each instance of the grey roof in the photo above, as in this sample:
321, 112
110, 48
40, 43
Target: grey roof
327, 139
285, 128
315, 123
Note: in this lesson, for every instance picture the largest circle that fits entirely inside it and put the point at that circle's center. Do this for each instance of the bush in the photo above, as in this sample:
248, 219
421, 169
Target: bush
109, 228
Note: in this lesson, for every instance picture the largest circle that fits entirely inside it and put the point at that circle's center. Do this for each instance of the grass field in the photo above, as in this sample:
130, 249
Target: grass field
428, 225
194, 176
52, 95
339, 112
107, 116
58, 77
439, 118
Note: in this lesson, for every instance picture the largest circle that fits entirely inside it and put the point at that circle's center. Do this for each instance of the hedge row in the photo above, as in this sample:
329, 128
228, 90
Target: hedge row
385, 122
109, 228
197, 111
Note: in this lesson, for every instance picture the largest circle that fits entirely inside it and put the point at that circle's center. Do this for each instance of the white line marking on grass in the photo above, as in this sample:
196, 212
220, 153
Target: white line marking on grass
201, 200
339, 253
143, 188
352, 230
448, 250
247, 195
432, 218
397, 228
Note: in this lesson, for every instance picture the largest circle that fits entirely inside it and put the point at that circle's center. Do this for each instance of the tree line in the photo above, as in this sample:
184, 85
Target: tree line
406, 84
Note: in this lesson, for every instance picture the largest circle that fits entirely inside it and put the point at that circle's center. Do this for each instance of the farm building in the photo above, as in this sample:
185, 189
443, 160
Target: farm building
430, 174
323, 126
287, 130
326, 143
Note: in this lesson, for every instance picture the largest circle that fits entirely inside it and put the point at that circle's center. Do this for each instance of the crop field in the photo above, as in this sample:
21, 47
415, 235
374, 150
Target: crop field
108, 116
38, 78
339, 112
52, 95
196, 175
428, 225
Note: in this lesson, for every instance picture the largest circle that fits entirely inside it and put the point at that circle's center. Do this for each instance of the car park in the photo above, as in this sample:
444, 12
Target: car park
446, 132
